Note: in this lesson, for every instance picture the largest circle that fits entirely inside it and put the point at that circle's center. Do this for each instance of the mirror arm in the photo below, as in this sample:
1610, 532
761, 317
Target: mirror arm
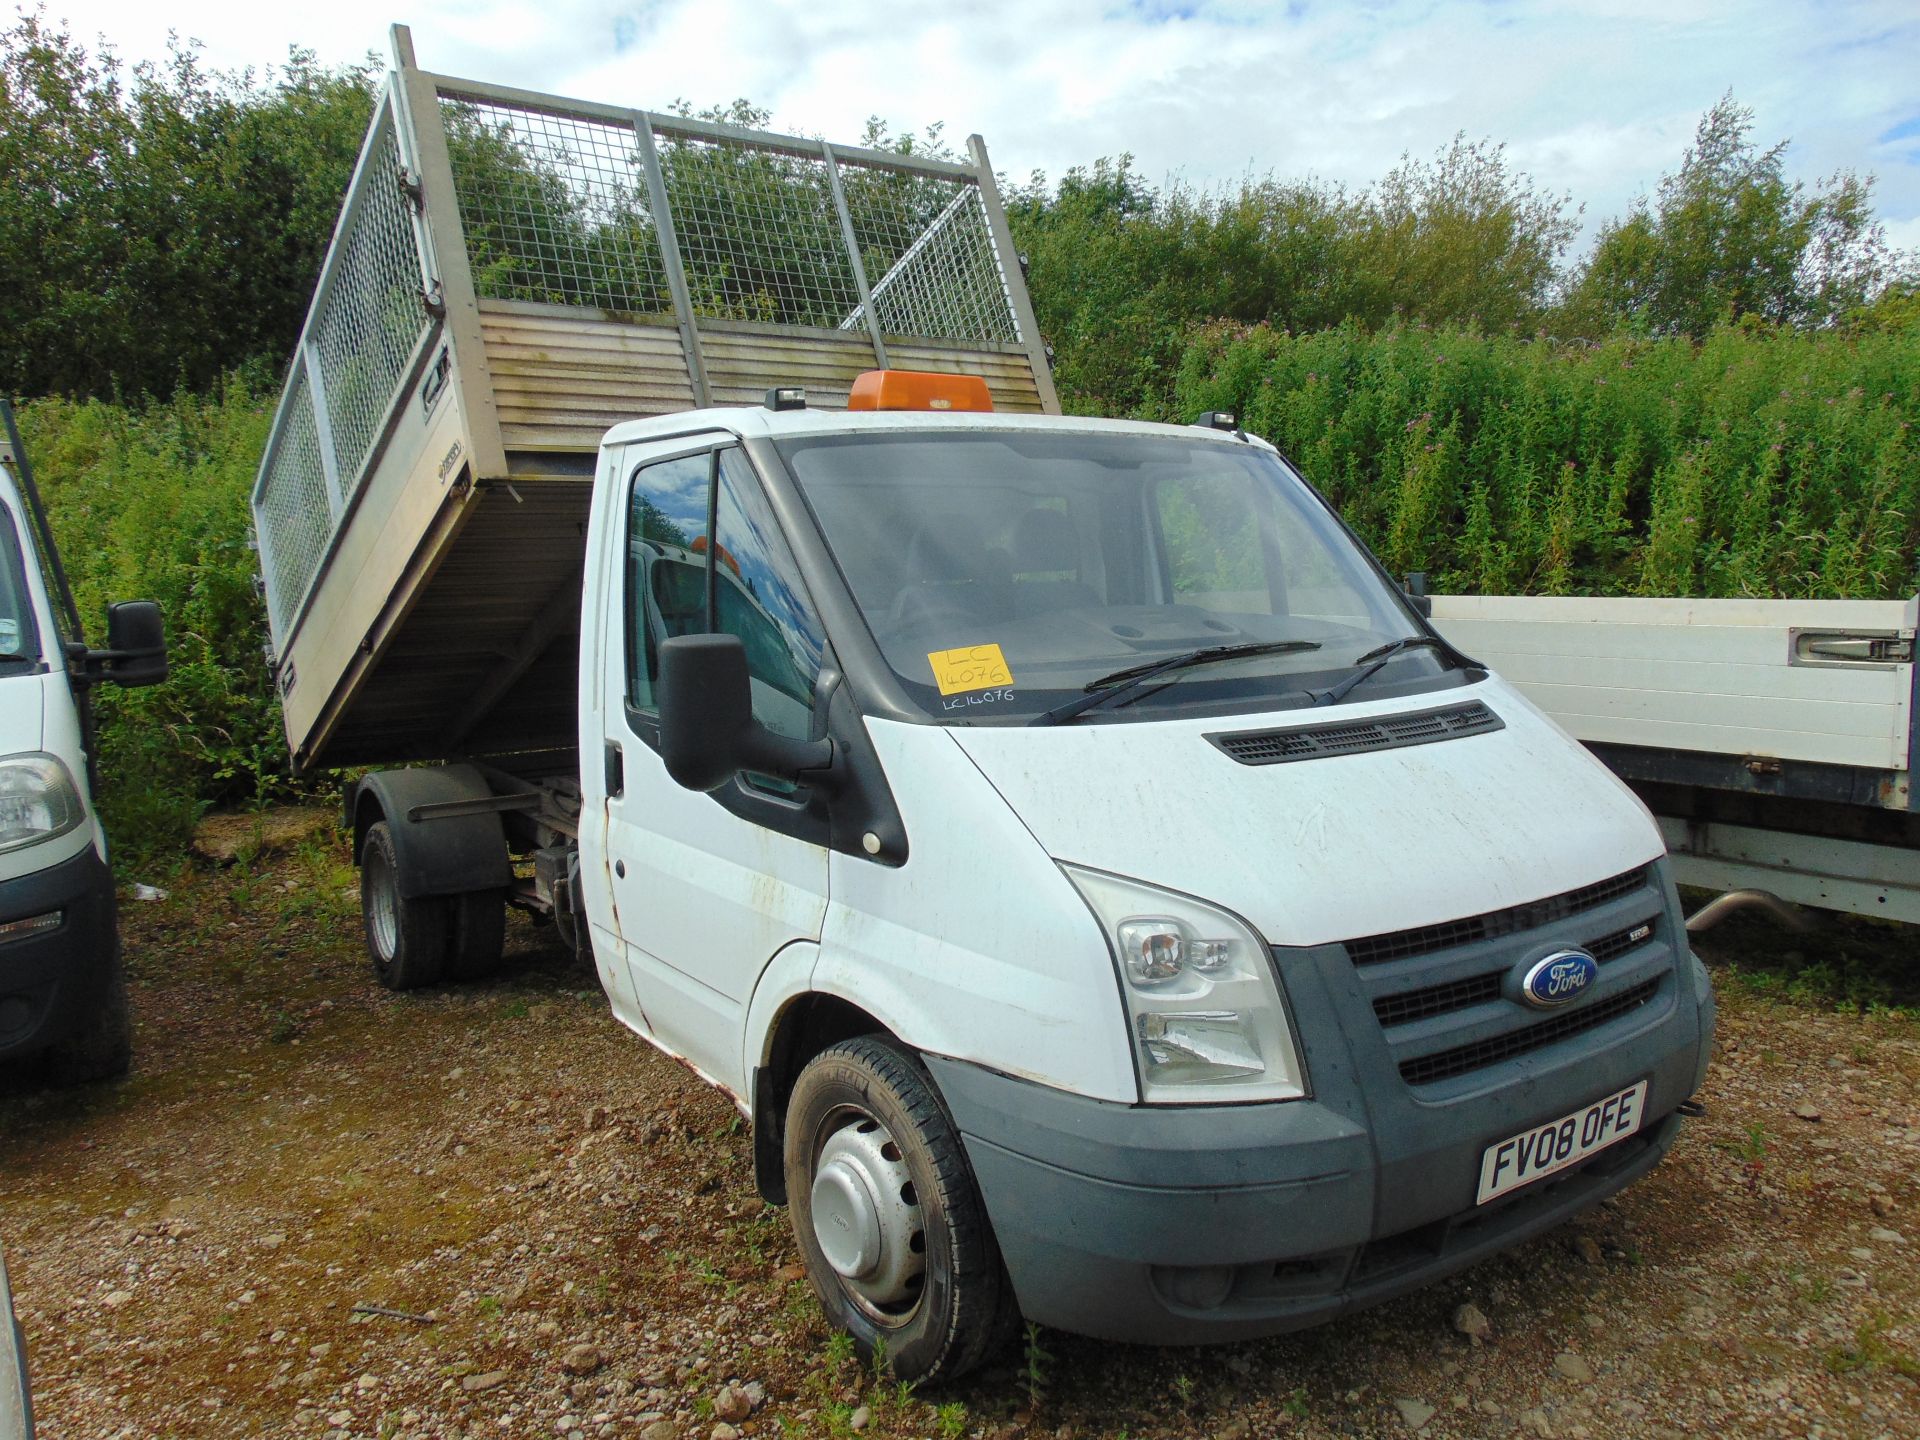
93, 663
812, 761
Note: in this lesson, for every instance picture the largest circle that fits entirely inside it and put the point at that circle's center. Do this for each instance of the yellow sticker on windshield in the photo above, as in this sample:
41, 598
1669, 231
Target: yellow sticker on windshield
971, 667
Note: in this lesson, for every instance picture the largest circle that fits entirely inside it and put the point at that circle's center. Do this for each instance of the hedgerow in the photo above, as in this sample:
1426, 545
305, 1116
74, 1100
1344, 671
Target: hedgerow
1760, 461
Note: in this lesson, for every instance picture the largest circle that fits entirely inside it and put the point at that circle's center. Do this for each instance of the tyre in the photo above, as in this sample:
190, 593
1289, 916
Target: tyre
407, 940
479, 935
887, 1215
102, 1048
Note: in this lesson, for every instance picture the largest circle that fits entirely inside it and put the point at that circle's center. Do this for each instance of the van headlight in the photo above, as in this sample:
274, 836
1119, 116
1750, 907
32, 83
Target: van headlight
1203, 1005
38, 799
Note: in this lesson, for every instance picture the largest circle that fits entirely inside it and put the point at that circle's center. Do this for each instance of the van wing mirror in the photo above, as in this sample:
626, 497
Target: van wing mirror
1416, 587
707, 730
136, 652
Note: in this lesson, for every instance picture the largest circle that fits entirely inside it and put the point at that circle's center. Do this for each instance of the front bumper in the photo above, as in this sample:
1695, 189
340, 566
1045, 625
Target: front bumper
51, 979
1163, 1225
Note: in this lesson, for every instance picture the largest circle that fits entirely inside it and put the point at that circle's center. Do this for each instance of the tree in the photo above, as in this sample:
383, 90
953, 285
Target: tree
1122, 271
161, 226
1729, 235
1463, 238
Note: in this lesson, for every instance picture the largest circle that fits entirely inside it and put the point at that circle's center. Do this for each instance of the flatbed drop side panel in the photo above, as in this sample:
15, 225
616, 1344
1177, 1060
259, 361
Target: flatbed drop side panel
513, 274
1774, 738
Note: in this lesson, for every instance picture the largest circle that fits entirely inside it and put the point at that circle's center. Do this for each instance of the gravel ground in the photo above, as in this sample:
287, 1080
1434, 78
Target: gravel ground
560, 1233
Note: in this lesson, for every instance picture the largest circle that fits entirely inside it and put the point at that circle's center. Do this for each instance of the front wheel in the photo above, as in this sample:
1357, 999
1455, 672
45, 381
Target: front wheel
887, 1215
101, 1047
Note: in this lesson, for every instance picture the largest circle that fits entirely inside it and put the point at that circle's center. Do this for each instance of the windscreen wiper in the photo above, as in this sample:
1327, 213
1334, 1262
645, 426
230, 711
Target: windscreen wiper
1124, 682
1369, 664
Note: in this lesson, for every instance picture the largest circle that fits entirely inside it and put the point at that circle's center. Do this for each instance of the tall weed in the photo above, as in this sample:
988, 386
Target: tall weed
151, 504
1759, 461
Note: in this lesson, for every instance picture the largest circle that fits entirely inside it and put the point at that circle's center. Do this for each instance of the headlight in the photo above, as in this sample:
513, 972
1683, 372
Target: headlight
38, 800
1204, 1009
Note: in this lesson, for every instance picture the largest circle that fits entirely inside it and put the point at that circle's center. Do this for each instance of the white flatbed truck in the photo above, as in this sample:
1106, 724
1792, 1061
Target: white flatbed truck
1108, 899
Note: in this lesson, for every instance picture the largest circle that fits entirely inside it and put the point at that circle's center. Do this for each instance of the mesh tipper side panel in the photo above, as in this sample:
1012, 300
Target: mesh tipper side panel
759, 235
293, 514
374, 315
554, 207
929, 257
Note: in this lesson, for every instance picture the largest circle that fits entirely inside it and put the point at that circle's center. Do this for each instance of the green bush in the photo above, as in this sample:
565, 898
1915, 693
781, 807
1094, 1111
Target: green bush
1761, 461
151, 504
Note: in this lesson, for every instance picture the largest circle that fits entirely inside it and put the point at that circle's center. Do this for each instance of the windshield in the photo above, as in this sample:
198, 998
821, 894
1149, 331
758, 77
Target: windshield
1001, 574
19, 636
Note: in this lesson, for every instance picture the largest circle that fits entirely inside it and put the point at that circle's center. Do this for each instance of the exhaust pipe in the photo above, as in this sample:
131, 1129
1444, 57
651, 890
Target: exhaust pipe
1721, 906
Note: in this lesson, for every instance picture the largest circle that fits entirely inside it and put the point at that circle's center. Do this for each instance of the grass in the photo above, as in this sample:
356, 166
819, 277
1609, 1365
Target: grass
1750, 1149
1871, 1350
1036, 1368
1852, 964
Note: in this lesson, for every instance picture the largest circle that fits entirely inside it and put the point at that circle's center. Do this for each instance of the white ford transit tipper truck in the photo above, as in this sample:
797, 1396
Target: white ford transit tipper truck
1109, 899
63, 997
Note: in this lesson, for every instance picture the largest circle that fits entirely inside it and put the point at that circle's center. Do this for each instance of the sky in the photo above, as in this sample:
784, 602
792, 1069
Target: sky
1596, 98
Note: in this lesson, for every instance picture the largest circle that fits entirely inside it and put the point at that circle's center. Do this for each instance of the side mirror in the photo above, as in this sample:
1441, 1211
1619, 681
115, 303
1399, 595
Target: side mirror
136, 652
1416, 587
707, 730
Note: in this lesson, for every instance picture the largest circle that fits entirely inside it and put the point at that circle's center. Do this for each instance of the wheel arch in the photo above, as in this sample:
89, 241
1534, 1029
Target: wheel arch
449, 856
805, 1024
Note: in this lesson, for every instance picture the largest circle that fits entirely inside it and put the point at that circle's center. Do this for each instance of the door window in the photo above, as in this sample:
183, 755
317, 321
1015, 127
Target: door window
682, 580
758, 596
668, 517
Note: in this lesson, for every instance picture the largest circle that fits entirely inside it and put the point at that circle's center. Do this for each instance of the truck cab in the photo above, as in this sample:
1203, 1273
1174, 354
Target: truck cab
1150, 927
63, 1001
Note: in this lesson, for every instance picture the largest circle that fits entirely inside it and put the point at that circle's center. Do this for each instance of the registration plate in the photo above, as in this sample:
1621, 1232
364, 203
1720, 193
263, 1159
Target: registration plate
1559, 1144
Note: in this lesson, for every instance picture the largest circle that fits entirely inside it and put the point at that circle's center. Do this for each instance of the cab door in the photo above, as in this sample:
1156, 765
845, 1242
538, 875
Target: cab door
707, 888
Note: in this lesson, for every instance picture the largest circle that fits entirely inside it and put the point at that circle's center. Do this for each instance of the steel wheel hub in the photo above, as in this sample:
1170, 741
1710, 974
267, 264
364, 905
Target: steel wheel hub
383, 902
866, 1218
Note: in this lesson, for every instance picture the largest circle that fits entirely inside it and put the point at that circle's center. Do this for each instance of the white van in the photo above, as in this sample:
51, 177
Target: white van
63, 996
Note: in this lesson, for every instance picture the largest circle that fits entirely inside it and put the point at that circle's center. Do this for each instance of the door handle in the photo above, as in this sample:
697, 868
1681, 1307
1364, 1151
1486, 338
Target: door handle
616, 771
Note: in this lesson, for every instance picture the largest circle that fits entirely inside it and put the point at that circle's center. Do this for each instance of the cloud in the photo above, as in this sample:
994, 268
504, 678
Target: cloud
1595, 97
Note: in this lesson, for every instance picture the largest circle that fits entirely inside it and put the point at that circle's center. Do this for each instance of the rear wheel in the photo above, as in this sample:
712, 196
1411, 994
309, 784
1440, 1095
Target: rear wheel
407, 940
887, 1215
479, 935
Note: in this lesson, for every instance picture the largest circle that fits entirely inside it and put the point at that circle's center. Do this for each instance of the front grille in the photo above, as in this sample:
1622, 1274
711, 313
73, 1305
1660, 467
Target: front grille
1611, 947
1424, 939
1411, 1005
1481, 1053
1438, 999
1353, 737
